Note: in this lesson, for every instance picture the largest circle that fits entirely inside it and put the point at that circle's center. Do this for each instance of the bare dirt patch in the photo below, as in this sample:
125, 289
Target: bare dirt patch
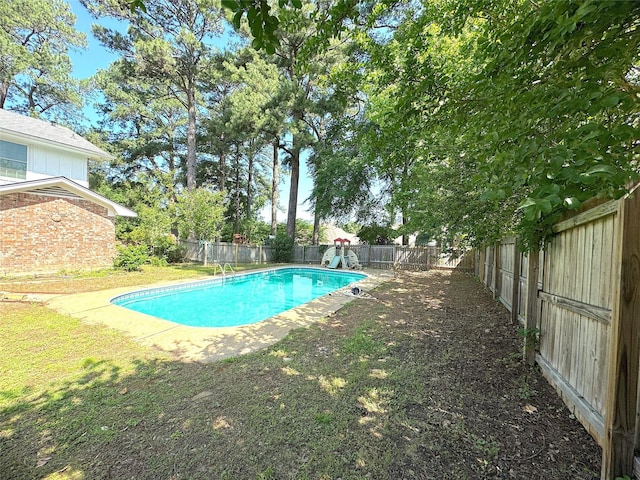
484, 413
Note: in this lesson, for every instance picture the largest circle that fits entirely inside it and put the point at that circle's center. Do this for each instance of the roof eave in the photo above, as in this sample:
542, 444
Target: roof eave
100, 154
113, 208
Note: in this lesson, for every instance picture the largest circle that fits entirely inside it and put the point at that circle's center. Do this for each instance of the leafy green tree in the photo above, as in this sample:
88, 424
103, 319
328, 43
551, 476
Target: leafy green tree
35, 69
257, 231
131, 257
201, 213
566, 127
265, 24
307, 88
154, 229
237, 138
168, 43
375, 234
304, 232
254, 120
343, 177
351, 227
497, 117
143, 129
479, 118
341, 181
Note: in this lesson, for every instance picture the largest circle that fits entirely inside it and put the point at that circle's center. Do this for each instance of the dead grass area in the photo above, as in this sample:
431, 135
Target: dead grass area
91, 281
422, 382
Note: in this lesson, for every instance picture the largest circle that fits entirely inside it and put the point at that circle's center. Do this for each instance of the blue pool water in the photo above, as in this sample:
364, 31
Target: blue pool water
238, 299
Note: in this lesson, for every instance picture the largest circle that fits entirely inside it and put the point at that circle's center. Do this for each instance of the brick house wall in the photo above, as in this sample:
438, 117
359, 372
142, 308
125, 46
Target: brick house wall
41, 233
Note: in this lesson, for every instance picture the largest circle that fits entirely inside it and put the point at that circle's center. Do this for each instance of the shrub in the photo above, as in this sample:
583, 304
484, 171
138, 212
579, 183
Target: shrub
131, 257
175, 254
158, 261
282, 248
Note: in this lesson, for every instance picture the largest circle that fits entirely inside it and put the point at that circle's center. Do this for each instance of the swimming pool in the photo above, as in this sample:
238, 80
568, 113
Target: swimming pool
236, 300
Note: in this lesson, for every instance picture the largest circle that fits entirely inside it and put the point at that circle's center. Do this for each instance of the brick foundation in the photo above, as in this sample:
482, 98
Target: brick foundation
47, 234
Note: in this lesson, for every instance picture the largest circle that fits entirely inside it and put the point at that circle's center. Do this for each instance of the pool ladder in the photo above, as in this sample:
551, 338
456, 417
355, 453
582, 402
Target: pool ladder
222, 268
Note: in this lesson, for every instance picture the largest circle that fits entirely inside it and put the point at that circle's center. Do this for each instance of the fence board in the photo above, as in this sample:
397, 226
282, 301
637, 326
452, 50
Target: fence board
522, 291
607, 260
515, 293
588, 216
505, 271
375, 256
624, 367
571, 302
591, 419
592, 311
491, 283
595, 263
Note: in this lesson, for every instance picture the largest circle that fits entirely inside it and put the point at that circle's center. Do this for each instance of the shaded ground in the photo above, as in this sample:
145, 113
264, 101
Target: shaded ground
422, 382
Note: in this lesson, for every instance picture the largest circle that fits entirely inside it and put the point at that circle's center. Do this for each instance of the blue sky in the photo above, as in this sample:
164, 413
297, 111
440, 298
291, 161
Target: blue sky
96, 57
88, 62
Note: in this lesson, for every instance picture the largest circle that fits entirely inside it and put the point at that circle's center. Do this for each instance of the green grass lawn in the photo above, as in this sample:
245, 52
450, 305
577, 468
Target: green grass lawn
80, 401
104, 279
373, 392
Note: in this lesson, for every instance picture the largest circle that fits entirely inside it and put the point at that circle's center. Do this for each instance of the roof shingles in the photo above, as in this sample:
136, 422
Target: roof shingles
40, 130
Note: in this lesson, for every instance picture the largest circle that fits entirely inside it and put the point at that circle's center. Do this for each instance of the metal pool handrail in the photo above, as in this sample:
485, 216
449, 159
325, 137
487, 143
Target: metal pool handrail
223, 269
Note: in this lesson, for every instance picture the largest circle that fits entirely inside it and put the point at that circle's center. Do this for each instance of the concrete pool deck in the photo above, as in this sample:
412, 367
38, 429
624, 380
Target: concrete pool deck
203, 344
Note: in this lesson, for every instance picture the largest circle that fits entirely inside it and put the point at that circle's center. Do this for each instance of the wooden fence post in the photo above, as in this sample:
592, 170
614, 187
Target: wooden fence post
488, 264
531, 318
515, 293
496, 271
624, 348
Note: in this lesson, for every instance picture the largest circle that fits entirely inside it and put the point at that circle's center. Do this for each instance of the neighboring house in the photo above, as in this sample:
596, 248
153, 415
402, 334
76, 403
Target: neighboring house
331, 232
49, 219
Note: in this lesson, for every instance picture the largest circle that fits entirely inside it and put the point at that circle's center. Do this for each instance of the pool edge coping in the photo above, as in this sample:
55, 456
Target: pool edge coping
184, 285
205, 344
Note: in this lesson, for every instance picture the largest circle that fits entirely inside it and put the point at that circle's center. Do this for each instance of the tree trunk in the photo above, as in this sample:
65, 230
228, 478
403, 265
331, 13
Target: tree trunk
173, 197
191, 134
222, 167
275, 180
250, 161
405, 220
404, 208
293, 192
295, 177
316, 229
4, 93
236, 222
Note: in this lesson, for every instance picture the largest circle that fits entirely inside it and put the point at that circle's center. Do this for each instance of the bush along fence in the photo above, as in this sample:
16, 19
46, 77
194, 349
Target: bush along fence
578, 303
372, 256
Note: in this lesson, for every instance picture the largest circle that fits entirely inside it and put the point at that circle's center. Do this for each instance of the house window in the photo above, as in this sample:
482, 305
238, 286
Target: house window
13, 160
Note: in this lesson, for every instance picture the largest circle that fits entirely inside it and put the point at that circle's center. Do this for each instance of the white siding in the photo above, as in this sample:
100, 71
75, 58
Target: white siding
48, 162
44, 161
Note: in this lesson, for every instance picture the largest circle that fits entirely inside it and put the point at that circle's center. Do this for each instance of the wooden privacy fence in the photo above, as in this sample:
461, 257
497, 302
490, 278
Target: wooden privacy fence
232, 253
580, 297
374, 256
387, 256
